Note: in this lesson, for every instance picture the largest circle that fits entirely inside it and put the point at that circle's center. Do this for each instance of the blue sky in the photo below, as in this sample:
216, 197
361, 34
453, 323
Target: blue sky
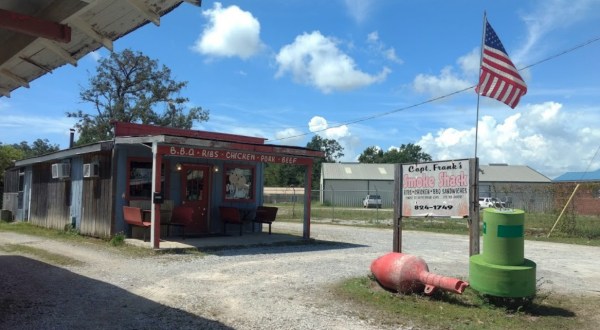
353, 70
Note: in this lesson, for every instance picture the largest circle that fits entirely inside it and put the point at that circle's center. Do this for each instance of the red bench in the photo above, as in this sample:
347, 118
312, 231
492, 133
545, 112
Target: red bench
232, 215
180, 217
133, 217
265, 214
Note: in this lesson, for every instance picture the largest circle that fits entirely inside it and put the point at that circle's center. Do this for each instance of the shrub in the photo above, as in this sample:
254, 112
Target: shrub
118, 239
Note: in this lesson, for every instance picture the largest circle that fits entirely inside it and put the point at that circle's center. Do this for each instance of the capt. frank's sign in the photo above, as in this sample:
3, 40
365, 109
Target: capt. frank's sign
435, 189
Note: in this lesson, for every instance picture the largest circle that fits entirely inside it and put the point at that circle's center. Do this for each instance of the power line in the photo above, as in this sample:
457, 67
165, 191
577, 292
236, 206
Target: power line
569, 50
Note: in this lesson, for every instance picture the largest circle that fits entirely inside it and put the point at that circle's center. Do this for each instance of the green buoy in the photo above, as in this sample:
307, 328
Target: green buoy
502, 270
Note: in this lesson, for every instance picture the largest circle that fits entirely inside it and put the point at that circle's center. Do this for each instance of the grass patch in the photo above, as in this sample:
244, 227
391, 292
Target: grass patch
469, 310
116, 244
28, 229
40, 254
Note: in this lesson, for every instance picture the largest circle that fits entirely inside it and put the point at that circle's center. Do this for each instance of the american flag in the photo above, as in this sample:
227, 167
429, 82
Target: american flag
499, 77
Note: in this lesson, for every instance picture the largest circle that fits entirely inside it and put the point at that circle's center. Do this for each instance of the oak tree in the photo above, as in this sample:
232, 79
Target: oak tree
131, 87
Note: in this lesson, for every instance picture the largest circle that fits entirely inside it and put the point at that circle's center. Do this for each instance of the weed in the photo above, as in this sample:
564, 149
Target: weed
118, 239
71, 230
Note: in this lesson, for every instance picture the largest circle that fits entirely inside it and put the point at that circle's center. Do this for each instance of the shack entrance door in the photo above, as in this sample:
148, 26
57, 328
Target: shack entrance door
195, 193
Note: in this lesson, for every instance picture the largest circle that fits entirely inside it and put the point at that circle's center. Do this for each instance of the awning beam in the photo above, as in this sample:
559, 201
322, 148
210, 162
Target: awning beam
33, 26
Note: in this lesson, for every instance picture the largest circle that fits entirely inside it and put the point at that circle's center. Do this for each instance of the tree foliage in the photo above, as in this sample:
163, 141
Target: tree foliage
284, 175
333, 151
18, 151
407, 153
131, 87
37, 148
371, 155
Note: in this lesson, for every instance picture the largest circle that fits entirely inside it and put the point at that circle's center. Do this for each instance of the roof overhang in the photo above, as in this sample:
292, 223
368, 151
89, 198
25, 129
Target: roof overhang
40, 36
67, 153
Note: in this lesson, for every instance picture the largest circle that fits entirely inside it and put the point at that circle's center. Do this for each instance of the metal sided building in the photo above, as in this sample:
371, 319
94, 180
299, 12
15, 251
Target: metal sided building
519, 186
347, 184
585, 188
148, 166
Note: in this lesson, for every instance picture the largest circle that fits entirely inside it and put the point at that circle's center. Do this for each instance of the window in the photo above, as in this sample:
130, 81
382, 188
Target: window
140, 179
239, 183
194, 185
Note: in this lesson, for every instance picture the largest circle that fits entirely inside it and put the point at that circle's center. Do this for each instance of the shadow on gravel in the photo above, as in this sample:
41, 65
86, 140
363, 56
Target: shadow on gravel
310, 245
36, 295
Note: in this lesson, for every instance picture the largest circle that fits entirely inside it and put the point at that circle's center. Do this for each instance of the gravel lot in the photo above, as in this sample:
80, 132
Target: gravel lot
276, 287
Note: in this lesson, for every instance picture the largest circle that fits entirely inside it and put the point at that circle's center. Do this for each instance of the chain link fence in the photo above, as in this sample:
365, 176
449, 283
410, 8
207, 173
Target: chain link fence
547, 200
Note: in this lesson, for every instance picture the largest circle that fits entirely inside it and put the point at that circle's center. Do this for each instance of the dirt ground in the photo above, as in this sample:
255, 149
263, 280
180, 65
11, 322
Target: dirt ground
261, 287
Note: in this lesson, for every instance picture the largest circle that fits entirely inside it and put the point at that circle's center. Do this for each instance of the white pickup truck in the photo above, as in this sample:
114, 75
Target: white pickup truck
490, 202
372, 201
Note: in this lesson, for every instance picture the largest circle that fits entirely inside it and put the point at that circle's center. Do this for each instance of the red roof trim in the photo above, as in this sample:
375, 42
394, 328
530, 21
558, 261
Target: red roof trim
132, 129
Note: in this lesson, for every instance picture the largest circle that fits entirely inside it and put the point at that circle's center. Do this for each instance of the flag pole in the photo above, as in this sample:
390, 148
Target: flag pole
479, 77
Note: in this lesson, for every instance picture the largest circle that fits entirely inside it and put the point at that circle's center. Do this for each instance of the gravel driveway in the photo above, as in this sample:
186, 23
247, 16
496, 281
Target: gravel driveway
276, 287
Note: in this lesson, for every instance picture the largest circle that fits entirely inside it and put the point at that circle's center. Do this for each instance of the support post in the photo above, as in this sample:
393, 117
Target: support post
307, 199
397, 239
156, 184
474, 229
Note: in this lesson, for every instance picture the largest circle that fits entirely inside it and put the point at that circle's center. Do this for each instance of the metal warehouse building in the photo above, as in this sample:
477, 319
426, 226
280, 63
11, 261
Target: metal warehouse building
347, 184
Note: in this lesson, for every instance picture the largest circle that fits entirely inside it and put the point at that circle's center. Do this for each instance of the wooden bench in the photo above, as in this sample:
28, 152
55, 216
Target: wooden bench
265, 214
133, 217
231, 215
180, 217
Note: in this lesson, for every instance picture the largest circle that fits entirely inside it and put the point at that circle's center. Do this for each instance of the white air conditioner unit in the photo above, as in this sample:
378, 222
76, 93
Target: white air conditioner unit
61, 170
91, 170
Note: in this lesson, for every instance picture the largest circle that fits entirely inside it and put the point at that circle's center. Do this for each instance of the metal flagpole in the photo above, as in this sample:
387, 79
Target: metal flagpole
478, 92
474, 216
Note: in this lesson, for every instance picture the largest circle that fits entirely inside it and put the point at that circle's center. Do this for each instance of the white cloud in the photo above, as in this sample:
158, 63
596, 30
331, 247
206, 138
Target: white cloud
378, 46
359, 10
469, 63
316, 60
290, 136
319, 125
373, 37
95, 56
341, 134
15, 128
231, 32
551, 15
447, 82
536, 136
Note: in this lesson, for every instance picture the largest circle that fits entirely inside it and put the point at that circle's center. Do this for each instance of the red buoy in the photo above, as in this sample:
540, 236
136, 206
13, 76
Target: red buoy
407, 273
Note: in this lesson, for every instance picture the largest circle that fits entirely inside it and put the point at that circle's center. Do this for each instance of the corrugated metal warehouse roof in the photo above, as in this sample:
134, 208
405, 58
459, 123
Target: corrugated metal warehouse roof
510, 173
489, 173
357, 171
579, 177
40, 36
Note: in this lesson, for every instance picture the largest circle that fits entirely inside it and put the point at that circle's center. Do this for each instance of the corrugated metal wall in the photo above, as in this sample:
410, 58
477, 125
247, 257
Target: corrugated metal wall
50, 198
350, 193
56, 203
97, 199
